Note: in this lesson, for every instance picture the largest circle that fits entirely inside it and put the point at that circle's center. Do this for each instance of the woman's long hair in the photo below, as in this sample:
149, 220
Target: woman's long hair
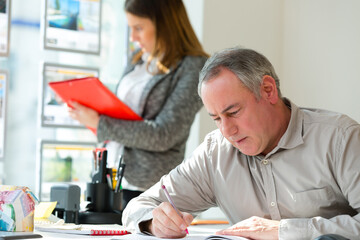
175, 37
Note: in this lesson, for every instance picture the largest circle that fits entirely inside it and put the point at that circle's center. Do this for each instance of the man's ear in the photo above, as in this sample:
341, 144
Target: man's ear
269, 90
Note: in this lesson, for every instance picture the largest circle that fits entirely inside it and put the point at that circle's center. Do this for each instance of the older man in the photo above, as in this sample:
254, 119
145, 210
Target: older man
277, 171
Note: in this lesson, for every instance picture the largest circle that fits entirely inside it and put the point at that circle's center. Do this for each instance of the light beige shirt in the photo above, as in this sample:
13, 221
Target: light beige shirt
310, 181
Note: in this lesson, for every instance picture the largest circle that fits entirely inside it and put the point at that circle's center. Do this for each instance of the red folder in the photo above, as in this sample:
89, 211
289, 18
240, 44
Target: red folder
92, 93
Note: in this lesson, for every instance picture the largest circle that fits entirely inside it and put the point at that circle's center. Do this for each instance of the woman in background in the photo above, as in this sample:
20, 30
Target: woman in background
160, 84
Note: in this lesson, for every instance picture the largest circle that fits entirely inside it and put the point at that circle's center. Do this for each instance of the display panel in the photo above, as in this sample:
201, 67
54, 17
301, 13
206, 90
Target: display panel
54, 112
73, 25
64, 162
3, 95
4, 27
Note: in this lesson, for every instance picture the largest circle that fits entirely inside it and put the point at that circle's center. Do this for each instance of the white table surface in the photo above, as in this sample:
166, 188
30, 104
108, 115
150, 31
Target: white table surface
196, 229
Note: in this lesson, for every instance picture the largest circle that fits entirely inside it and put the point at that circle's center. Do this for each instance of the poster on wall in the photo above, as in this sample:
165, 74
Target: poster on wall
73, 25
54, 112
4, 27
3, 93
63, 162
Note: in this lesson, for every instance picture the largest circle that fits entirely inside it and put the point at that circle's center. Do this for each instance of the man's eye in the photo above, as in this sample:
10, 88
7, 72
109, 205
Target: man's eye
234, 113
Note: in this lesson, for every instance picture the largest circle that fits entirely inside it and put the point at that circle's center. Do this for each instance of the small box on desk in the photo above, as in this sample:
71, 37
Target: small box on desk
17, 205
67, 197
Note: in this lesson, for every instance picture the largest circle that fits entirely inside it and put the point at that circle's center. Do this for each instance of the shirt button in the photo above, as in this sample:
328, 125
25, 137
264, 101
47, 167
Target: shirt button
272, 204
265, 162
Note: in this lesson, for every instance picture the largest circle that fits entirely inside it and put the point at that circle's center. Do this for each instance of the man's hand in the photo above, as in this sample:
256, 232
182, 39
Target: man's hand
166, 223
254, 228
84, 115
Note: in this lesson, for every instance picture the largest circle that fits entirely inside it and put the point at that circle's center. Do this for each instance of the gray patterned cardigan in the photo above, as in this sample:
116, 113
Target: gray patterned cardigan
168, 106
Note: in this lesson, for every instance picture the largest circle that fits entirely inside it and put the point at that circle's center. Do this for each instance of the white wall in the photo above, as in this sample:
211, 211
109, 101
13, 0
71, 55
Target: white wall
254, 24
313, 45
195, 11
321, 54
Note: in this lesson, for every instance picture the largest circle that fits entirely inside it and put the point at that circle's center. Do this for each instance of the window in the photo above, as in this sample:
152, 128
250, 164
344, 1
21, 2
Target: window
64, 162
24, 64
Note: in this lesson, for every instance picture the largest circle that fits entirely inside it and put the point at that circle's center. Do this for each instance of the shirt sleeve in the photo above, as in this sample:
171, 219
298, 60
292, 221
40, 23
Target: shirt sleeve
189, 185
348, 178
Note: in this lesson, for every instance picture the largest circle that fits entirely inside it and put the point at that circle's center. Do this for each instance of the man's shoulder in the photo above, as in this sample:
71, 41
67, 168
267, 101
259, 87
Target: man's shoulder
327, 118
215, 139
215, 134
216, 148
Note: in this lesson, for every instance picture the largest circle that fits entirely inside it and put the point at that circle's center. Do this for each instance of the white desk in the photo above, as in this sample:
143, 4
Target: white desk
197, 229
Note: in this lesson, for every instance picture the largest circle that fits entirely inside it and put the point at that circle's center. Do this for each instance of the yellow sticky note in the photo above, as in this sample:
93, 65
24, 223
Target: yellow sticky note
44, 209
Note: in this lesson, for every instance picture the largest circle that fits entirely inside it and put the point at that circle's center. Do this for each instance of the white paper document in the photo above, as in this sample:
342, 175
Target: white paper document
139, 236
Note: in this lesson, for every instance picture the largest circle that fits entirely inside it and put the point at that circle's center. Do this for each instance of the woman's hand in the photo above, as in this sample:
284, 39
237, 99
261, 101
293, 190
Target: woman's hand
84, 115
254, 228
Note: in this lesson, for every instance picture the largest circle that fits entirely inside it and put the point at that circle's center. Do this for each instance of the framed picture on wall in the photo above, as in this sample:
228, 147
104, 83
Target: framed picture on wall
63, 162
3, 102
4, 27
54, 112
73, 25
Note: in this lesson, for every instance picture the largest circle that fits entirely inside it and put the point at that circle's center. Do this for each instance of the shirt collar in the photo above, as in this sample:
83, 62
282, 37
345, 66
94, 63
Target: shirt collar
293, 136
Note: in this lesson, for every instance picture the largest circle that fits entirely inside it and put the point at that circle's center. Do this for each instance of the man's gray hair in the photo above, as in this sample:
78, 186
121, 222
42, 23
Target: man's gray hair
248, 65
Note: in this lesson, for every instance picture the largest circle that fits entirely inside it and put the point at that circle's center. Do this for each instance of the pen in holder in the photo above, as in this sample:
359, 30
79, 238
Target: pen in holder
119, 174
100, 161
105, 201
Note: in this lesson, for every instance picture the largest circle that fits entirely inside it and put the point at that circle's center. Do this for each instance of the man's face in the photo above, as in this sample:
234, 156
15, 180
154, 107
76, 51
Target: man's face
241, 118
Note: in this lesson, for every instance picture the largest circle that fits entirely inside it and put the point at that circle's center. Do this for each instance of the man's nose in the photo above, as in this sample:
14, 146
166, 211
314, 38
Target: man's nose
228, 127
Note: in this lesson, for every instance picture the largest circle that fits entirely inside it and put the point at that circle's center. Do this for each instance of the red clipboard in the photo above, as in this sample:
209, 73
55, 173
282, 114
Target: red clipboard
92, 93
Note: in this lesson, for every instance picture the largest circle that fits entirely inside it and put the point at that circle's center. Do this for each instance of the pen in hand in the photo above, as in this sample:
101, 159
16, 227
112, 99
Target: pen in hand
172, 203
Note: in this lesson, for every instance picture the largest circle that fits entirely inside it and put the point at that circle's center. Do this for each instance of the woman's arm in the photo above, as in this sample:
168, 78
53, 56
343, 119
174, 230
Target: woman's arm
171, 125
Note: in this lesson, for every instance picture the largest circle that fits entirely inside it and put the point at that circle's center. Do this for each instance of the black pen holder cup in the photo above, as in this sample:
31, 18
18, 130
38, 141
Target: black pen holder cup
102, 198
115, 201
98, 195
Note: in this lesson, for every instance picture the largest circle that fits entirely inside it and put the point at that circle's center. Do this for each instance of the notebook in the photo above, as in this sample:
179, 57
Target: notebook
92, 93
84, 229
